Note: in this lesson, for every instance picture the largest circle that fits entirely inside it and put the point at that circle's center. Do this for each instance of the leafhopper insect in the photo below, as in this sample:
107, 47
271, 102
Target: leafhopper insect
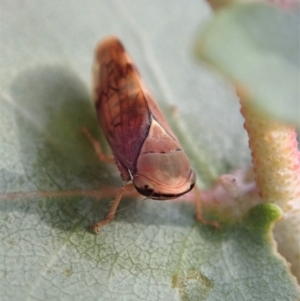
145, 149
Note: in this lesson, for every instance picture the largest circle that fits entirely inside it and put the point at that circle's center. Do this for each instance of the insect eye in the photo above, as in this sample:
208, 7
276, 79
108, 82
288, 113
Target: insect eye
142, 187
145, 190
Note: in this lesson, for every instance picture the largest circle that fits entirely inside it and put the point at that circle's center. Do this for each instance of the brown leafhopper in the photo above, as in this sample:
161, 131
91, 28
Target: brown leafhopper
146, 151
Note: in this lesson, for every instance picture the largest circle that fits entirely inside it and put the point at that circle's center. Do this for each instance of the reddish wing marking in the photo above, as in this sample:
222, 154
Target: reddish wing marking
121, 103
124, 105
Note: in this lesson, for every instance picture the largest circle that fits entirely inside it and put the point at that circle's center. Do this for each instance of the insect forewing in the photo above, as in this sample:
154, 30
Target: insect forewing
120, 102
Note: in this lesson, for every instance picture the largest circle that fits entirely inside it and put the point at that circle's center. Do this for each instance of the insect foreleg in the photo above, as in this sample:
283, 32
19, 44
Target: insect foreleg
112, 212
198, 207
103, 157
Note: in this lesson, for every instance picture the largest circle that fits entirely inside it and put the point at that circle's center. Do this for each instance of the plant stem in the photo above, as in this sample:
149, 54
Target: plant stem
275, 156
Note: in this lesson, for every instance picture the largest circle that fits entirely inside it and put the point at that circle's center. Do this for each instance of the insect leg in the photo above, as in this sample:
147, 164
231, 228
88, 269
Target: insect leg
112, 212
198, 207
103, 157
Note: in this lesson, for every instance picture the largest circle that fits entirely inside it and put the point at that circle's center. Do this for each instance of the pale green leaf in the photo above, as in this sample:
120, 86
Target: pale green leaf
257, 46
153, 250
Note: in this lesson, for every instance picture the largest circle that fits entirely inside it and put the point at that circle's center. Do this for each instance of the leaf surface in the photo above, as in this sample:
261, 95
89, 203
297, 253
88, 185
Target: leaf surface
48, 170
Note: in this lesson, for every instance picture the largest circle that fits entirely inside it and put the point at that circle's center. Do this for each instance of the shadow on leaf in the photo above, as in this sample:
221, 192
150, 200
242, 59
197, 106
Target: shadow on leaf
51, 104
